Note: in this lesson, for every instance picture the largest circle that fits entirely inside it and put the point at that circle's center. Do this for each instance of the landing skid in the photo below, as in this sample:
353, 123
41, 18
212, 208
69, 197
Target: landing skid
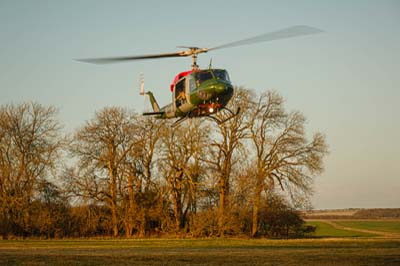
219, 121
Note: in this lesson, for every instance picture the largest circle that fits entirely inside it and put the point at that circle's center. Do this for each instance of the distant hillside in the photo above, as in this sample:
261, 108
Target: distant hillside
392, 213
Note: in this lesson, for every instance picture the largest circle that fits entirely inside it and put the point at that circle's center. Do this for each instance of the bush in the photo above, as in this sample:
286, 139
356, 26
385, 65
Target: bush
278, 220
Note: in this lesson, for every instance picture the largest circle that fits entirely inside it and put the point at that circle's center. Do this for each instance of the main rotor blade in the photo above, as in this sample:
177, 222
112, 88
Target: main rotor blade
290, 32
109, 60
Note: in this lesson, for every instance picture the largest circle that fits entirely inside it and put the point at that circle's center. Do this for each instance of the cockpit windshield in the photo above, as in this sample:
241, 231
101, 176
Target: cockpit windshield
203, 76
221, 74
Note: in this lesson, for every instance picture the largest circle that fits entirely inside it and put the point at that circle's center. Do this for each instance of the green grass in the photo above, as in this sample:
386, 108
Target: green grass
384, 226
327, 230
331, 246
219, 252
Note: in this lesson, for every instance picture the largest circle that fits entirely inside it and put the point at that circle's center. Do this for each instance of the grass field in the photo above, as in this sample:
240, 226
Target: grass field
327, 230
385, 226
330, 245
202, 252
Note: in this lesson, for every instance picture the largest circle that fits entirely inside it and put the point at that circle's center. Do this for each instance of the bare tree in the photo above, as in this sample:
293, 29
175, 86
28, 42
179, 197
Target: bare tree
226, 143
138, 173
29, 149
102, 147
182, 148
282, 153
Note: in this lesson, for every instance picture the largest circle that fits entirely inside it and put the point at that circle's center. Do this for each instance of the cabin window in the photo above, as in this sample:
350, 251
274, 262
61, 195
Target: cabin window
180, 97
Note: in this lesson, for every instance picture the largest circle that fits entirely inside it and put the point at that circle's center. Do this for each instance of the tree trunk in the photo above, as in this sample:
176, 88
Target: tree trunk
142, 224
178, 212
223, 201
114, 218
178, 208
113, 205
256, 206
131, 207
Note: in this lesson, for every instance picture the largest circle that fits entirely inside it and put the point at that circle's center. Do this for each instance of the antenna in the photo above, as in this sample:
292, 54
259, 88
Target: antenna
210, 66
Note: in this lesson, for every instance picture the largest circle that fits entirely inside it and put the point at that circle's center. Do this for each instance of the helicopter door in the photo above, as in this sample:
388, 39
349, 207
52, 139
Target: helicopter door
180, 95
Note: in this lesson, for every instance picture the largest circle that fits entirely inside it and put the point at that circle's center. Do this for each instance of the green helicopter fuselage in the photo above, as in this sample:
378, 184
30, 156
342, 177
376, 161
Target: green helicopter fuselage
195, 93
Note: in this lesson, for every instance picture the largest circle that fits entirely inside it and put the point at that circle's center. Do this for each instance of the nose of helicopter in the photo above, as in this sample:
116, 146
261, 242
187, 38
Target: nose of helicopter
219, 88
223, 92
222, 88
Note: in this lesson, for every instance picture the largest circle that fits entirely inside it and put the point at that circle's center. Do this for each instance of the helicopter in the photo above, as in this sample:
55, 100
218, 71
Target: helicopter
201, 92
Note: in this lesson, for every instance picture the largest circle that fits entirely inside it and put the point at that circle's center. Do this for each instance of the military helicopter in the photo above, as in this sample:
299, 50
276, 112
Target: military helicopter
201, 92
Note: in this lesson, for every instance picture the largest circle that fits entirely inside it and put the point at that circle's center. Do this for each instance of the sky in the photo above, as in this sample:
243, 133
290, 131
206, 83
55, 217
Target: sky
346, 81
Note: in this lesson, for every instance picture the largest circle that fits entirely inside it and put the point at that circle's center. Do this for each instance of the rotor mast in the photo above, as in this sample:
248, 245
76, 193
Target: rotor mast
193, 52
195, 66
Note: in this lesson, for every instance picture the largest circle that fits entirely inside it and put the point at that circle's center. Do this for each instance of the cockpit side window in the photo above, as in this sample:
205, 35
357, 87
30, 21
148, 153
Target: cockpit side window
192, 83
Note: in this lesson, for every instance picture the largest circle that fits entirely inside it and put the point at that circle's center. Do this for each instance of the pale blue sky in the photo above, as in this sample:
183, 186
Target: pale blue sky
346, 81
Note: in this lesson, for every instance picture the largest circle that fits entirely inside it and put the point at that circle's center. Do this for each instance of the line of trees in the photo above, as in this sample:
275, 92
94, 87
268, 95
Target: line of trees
121, 174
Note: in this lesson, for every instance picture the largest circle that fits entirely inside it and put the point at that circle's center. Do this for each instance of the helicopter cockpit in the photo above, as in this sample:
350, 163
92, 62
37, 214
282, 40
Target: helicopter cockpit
221, 74
204, 75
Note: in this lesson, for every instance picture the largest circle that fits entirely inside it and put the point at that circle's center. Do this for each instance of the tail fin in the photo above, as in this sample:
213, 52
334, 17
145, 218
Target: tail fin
153, 102
141, 84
